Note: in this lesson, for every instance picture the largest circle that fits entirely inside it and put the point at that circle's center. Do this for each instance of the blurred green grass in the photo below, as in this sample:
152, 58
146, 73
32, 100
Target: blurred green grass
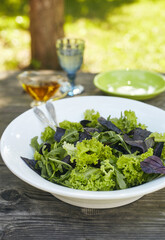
118, 34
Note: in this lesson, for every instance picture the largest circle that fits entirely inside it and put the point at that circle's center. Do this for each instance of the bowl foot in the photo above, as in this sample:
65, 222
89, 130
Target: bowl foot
97, 204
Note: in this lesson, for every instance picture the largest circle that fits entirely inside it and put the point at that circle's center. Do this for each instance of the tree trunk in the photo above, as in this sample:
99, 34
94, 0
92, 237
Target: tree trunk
46, 26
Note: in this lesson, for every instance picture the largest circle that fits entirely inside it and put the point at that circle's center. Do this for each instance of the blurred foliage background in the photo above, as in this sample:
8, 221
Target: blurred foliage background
118, 33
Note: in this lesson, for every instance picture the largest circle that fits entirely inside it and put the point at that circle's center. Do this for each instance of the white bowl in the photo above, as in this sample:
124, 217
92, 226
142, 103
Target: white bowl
16, 138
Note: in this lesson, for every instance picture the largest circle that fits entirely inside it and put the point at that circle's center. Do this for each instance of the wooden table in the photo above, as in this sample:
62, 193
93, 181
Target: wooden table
29, 213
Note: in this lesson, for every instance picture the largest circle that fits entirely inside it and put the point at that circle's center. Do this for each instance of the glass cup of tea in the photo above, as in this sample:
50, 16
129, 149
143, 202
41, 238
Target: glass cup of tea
43, 85
70, 54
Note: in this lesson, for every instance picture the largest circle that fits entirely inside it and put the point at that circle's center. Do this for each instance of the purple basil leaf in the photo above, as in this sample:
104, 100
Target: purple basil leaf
84, 135
119, 148
135, 143
152, 164
91, 130
109, 125
59, 133
139, 134
158, 149
46, 146
150, 143
31, 163
67, 160
85, 122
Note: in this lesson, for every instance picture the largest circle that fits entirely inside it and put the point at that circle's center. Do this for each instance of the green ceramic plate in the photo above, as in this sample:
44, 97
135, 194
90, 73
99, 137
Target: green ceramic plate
135, 84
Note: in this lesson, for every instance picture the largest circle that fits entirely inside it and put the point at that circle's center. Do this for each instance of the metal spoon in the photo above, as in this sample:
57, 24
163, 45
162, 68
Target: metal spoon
42, 117
51, 110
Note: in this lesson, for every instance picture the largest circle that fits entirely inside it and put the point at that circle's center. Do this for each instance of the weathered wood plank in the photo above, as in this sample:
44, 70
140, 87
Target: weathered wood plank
24, 210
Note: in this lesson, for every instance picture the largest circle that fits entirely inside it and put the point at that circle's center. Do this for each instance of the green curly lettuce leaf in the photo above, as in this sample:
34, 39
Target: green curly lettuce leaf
127, 122
85, 175
71, 125
92, 116
92, 179
70, 149
91, 151
158, 137
131, 169
48, 135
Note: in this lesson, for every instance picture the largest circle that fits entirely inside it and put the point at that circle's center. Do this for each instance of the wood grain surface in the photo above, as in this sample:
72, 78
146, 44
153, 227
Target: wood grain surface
27, 213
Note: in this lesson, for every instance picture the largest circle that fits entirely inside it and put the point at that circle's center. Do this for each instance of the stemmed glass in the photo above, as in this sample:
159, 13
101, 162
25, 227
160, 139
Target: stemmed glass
70, 55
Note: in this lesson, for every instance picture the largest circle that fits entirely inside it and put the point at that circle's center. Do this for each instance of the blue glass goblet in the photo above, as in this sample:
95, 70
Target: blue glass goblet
70, 55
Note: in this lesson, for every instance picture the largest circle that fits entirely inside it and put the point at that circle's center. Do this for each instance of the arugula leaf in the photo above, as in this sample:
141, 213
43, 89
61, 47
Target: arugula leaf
70, 136
120, 179
60, 162
34, 143
112, 138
